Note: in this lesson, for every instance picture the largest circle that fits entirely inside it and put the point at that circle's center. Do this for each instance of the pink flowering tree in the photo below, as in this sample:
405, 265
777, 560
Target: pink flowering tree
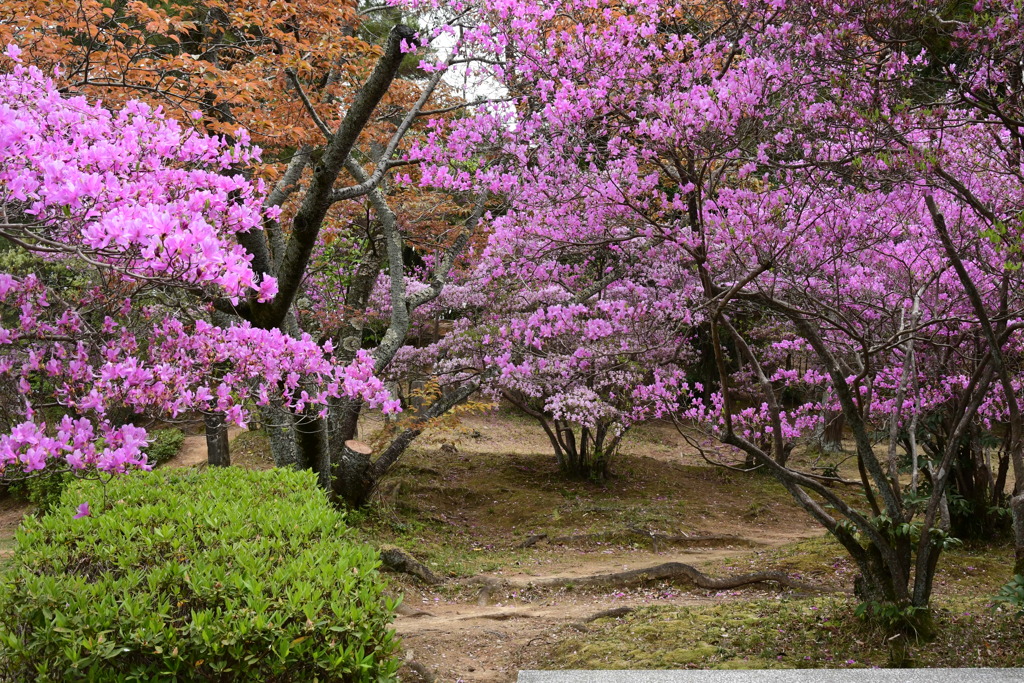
776, 156
585, 368
119, 231
945, 129
336, 188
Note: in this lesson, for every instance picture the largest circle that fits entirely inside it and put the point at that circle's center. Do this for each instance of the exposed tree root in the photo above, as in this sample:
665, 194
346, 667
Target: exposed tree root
500, 616
612, 613
488, 586
417, 672
532, 541
668, 571
397, 560
404, 610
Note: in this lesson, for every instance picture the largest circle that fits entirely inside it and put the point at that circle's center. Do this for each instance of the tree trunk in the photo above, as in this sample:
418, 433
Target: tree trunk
1017, 508
279, 424
586, 457
217, 451
312, 447
830, 438
353, 481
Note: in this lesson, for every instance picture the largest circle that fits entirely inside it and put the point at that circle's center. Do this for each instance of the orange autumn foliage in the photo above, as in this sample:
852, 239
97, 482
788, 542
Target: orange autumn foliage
226, 59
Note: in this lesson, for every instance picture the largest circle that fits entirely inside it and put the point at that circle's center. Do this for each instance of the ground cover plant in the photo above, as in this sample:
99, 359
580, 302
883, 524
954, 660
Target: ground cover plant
227, 574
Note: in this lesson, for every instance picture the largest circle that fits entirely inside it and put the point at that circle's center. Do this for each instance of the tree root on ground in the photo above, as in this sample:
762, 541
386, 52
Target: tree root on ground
416, 672
613, 613
668, 571
500, 616
395, 559
531, 541
404, 610
398, 560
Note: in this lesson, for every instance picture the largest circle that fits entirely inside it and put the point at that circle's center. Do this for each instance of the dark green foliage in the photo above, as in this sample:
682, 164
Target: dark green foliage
44, 488
1012, 595
220, 575
164, 445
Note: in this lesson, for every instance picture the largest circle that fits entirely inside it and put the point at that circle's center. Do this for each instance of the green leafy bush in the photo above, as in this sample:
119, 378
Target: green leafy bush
44, 488
164, 445
220, 575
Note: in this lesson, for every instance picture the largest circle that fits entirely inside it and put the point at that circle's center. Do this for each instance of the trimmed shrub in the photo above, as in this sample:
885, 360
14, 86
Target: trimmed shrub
220, 575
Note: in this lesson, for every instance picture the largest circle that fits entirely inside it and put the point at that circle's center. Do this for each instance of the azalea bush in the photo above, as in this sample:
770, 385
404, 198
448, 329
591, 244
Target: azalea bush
121, 236
226, 574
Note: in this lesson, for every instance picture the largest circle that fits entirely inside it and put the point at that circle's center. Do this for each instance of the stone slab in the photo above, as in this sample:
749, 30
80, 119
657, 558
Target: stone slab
780, 676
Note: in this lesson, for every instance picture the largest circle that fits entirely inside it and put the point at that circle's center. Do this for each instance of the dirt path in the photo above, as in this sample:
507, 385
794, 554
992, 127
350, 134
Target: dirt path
460, 642
11, 514
459, 639
497, 491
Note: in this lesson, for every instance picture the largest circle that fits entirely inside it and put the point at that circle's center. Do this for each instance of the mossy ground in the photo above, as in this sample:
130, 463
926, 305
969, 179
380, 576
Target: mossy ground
466, 513
251, 449
809, 632
787, 633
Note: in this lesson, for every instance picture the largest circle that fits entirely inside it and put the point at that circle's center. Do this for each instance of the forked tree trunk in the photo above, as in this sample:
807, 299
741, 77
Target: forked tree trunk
354, 476
583, 455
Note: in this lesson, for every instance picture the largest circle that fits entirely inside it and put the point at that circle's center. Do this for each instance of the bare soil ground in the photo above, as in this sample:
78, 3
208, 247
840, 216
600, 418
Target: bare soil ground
193, 449
12, 511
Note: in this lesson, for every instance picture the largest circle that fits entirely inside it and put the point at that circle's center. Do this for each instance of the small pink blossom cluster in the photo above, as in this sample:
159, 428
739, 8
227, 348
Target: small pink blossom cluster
213, 369
29, 446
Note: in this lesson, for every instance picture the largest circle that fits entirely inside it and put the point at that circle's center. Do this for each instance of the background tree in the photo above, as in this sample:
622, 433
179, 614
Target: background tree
292, 74
823, 220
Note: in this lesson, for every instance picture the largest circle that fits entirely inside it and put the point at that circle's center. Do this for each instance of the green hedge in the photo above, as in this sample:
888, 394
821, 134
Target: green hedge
221, 575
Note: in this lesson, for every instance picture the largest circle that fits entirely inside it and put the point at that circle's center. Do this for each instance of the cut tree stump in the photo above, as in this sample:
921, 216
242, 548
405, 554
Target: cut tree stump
358, 449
